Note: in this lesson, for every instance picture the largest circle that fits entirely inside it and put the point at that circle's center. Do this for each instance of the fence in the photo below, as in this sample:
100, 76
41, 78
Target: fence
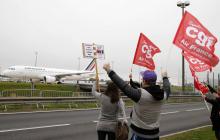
27, 98
41, 93
33, 96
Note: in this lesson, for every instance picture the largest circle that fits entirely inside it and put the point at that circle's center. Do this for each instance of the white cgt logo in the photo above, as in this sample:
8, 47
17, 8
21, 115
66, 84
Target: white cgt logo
195, 61
201, 38
147, 50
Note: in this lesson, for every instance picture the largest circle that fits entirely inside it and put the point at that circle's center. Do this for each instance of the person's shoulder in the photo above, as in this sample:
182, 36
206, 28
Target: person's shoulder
144, 93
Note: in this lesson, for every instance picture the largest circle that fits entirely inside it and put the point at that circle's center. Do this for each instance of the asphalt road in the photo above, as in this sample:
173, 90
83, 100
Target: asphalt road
80, 125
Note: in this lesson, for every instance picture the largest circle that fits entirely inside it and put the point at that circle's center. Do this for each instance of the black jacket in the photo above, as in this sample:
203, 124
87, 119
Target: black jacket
155, 89
215, 113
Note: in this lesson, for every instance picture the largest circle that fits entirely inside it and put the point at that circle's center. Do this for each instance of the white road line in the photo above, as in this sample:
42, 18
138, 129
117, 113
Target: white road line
173, 112
184, 131
197, 109
31, 128
119, 118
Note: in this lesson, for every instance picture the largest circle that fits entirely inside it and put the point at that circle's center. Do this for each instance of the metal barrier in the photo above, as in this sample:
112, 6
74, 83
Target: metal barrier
13, 103
55, 93
34, 96
7, 100
41, 93
20, 93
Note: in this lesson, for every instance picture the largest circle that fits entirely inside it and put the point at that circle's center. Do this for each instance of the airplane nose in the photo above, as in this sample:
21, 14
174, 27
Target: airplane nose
4, 73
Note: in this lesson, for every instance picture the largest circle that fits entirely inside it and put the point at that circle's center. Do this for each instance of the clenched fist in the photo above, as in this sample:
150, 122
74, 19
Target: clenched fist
106, 67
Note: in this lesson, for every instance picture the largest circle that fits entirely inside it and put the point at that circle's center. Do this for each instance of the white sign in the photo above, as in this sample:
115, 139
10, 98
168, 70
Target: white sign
92, 50
88, 50
100, 51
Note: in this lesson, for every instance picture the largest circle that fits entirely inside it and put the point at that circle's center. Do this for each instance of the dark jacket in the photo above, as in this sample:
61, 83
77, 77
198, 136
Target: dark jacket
215, 113
155, 89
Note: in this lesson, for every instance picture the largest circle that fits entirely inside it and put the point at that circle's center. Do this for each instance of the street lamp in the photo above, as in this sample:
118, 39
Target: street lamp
218, 80
112, 64
35, 64
78, 63
183, 5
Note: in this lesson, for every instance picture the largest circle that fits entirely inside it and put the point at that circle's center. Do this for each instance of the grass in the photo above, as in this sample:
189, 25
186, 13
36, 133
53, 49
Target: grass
45, 106
184, 100
39, 86
198, 134
179, 88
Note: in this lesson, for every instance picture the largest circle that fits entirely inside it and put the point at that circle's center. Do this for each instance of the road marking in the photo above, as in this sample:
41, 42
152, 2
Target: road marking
118, 118
184, 131
165, 113
173, 112
197, 109
31, 128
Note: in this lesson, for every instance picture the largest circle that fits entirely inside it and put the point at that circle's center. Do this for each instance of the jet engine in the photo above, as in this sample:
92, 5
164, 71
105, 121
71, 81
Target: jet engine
49, 79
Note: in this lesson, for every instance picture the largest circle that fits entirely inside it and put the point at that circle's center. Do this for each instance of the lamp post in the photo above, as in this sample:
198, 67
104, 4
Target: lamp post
112, 64
183, 5
78, 63
213, 79
36, 53
218, 80
207, 77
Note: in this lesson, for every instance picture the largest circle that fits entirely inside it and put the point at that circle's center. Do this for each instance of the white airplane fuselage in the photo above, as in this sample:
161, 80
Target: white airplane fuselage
45, 74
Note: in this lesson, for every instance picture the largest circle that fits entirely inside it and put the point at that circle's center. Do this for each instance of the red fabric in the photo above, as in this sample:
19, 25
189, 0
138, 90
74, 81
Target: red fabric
195, 39
196, 64
198, 85
144, 52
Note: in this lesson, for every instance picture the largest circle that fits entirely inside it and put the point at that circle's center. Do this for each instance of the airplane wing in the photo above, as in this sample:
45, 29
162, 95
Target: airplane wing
59, 76
88, 70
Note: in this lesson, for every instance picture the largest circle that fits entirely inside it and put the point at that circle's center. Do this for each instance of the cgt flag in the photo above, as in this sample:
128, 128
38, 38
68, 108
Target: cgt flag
195, 39
198, 85
144, 52
196, 64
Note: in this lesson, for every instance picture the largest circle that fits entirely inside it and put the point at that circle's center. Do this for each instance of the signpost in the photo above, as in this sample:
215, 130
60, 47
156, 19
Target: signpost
94, 51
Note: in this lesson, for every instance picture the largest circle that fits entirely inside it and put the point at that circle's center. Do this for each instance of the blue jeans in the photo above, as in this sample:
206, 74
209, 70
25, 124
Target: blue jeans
135, 137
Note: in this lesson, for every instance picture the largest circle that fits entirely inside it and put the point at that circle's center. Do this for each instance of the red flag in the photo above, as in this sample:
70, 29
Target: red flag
198, 85
195, 39
196, 64
144, 52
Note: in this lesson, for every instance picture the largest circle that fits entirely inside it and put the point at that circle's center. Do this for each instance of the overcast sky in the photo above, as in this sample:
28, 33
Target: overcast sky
57, 28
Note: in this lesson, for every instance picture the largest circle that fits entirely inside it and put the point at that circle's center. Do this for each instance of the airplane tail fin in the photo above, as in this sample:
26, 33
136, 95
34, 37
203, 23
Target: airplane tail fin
91, 66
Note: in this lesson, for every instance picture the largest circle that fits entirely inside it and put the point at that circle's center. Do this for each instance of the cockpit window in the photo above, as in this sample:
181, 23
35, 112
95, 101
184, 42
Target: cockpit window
11, 68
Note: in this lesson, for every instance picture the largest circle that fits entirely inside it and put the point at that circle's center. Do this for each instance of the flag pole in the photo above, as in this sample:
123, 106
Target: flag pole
206, 105
131, 69
205, 102
96, 68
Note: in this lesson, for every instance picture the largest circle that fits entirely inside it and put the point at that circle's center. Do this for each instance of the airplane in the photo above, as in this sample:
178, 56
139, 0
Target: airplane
48, 75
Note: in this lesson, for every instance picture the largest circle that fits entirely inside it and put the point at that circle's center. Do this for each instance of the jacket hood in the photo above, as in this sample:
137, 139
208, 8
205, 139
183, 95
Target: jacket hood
156, 92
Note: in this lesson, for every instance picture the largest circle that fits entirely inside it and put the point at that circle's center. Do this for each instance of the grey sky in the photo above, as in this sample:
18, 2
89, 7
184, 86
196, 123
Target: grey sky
56, 29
